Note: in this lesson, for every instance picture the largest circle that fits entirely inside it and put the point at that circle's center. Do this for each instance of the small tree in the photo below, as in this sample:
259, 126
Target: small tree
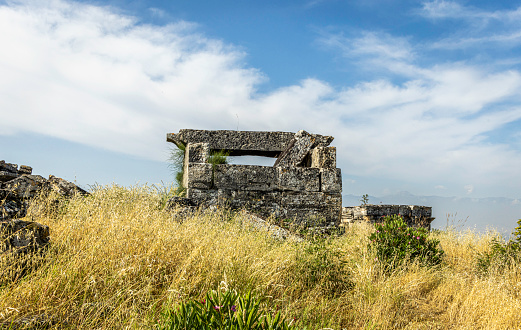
365, 199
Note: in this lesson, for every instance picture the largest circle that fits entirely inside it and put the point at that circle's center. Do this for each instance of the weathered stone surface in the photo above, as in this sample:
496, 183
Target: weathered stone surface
298, 178
8, 171
330, 180
24, 186
8, 167
63, 187
238, 143
244, 177
18, 236
414, 215
306, 208
298, 148
24, 169
197, 175
196, 153
323, 157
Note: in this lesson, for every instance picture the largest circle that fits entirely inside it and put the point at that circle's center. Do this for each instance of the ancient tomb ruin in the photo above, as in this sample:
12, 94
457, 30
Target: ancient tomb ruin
303, 185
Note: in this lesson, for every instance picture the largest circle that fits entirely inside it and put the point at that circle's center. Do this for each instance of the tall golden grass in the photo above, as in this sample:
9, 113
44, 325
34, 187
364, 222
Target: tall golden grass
117, 259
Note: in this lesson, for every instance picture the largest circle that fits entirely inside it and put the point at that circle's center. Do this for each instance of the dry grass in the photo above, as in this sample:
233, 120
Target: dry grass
117, 260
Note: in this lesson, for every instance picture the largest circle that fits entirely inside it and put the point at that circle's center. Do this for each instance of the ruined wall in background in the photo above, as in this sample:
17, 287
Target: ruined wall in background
414, 215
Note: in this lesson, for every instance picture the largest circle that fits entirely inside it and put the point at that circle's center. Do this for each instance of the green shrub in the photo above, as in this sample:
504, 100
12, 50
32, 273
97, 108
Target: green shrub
219, 310
321, 265
395, 242
502, 254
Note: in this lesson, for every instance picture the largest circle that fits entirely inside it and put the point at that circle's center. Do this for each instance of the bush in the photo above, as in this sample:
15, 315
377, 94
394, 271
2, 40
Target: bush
395, 242
502, 254
222, 311
320, 265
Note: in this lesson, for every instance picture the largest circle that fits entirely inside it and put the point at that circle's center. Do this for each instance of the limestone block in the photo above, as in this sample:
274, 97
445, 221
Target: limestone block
330, 180
198, 176
238, 143
323, 157
244, 177
196, 153
202, 196
296, 150
298, 179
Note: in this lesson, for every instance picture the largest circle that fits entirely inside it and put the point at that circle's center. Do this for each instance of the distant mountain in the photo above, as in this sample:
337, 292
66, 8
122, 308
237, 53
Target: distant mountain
497, 213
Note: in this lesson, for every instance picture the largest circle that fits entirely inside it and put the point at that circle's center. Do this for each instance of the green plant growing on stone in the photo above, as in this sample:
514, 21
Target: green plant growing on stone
219, 310
218, 157
395, 242
501, 254
176, 159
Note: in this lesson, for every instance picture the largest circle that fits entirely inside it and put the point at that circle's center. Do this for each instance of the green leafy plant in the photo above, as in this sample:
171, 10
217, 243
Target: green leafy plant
395, 242
219, 310
501, 254
218, 157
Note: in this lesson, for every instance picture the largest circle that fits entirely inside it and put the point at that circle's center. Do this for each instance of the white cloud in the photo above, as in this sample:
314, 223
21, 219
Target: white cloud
498, 28
90, 75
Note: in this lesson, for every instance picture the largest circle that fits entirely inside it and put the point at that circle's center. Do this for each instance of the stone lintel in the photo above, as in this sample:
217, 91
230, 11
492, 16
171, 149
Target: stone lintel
241, 143
238, 143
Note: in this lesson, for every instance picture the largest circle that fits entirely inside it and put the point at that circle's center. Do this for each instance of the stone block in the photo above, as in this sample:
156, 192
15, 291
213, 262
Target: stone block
198, 176
238, 143
8, 167
296, 150
323, 157
244, 177
24, 169
196, 153
202, 196
330, 180
298, 179
6, 176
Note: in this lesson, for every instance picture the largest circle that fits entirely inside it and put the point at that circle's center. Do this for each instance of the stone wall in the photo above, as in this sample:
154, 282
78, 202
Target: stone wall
304, 183
414, 215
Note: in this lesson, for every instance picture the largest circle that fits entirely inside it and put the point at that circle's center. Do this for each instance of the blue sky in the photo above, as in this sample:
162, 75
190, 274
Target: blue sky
421, 96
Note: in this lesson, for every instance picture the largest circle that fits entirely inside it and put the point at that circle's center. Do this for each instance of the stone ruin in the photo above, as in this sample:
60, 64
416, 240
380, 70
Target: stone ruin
413, 215
304, 184
18, 186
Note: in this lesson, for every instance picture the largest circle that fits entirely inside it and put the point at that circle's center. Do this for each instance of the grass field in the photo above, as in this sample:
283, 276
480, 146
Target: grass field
117, 259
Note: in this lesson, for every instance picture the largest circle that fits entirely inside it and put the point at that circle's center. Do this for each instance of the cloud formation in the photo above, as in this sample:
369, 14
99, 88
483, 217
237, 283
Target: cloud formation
91, 75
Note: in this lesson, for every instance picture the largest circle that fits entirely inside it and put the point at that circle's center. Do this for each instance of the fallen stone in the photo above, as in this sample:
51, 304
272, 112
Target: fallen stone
19, 236
299, 148
64, 187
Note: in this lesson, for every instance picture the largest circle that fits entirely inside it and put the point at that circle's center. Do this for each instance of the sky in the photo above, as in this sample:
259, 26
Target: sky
422, 97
